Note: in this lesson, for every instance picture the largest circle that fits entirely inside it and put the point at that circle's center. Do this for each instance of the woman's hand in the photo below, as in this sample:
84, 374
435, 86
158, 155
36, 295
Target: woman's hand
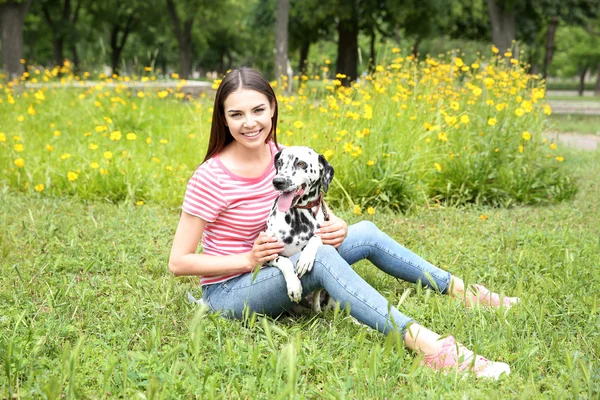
333, 232
266, 248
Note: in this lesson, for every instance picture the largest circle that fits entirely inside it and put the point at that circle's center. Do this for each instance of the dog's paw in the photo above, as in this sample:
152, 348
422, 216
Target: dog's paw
294, 288
305, 263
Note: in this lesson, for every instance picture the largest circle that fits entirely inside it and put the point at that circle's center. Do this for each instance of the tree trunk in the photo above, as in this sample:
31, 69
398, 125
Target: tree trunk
76, 61
115, 52
597, 88
57, 48
184, 39
185, 50
415, 49
372, 51
347, 51
550, 45
281, 42
12, 18
503, 25
304, 49
582, 80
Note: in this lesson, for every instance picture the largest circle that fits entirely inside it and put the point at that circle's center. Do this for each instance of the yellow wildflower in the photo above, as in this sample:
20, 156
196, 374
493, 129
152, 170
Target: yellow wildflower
39, 187
19, 162
357, 210
521, 149
298, 124
438, 166
519, 112
95, 165
19, 147
492, 121
553, 146
526, 135
464, 119
560, 159
370, 211
65, 156
72, 176
108, 155
131, 136
116, 135
370, 163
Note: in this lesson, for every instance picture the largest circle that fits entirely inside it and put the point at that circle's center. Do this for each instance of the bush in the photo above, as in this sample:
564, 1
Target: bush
412, 132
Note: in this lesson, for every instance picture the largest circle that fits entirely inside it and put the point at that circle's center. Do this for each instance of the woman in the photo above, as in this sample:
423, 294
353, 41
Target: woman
227, 203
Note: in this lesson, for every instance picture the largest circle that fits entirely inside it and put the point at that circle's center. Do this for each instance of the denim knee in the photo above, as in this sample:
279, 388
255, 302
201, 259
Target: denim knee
366, 228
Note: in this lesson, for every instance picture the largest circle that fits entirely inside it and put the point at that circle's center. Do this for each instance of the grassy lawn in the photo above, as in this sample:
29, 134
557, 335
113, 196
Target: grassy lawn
574, 98
589, 124
88, 309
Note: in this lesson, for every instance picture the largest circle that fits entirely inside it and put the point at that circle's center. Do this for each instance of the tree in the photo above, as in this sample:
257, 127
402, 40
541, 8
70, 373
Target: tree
12, 18
579, 52
61, 17
183, 15
503, 19
119, 19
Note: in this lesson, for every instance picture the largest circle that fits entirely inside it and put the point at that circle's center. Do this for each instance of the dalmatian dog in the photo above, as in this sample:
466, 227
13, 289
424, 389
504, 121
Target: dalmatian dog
303, 176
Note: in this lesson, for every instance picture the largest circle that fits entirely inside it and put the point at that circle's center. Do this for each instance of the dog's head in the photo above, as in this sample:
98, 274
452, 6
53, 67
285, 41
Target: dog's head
301, 174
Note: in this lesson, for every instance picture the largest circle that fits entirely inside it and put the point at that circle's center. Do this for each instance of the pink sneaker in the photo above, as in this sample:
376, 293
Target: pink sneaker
480, 295
454, 355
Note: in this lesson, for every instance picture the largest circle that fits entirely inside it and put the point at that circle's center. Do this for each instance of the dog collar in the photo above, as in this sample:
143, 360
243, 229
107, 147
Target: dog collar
319, 203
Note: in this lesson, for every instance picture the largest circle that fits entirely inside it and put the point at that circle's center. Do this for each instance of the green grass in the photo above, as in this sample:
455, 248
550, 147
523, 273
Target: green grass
573, 98
88, 308
589, 124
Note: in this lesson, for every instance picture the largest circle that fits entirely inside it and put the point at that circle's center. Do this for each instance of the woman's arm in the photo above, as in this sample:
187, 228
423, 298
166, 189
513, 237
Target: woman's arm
184, 260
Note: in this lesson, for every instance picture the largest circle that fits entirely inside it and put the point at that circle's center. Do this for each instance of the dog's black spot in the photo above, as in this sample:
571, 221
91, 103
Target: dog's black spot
281, 233
304, 223
288, 219
288, 240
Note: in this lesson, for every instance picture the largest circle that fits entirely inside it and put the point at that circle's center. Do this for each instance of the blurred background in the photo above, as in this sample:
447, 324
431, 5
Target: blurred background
201, 39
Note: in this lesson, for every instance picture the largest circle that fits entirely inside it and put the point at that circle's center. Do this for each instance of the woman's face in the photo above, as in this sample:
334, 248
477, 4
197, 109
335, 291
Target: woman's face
248, 115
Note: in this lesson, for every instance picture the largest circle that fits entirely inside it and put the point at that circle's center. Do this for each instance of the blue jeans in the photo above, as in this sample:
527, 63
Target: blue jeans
266, 293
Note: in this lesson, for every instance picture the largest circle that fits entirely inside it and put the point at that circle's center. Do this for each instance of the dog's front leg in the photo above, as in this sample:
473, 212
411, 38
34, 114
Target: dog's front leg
294, 287
307, 258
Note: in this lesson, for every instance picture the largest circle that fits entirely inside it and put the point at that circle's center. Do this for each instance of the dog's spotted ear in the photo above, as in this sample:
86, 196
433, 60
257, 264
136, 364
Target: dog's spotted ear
326, 172
277, 158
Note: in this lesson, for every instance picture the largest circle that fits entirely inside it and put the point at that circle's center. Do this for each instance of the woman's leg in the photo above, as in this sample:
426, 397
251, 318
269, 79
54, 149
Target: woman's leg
266, 292
366, 241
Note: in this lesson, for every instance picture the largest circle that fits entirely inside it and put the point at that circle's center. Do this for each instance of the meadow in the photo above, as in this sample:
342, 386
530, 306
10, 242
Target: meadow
89, 310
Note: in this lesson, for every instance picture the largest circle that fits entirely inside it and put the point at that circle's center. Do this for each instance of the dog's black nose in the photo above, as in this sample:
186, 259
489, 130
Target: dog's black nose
280, 183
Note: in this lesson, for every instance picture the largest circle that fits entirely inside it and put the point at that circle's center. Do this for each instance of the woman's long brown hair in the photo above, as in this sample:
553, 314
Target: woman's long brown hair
237, 79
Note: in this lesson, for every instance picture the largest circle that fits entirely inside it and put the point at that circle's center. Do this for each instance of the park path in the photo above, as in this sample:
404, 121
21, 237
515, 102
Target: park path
576, 140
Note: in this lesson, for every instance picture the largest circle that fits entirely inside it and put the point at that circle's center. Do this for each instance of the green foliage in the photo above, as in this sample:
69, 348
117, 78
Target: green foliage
580, 50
